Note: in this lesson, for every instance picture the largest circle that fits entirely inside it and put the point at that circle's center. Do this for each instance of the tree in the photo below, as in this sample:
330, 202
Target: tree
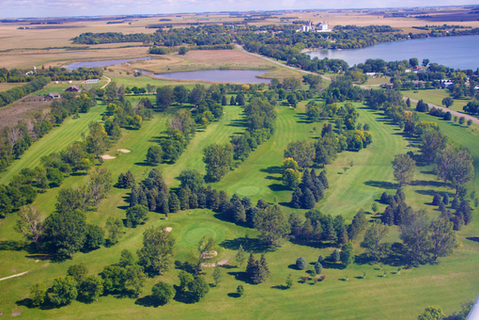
414, 62
291, 178
96, 141
154, 155
301, 263
318, 267
174, 203
432, 143
192, 179
67, 230
443, 238
404, 168
94, 237
157, 249
99, 184
272, 224
218, 159
91, 288
373, 241
73, 198
198, 288
432, 313
289, 281
136, 215
447, 102
217, 275
77, 272
240, 290
462, 120
163, 292
302, 151
114, 227
37, 293
205, 248
335, 256
347, 254
114, 278
63, 291
416, 238
55, 176
135, 278
240, 255
164, 97
31, 223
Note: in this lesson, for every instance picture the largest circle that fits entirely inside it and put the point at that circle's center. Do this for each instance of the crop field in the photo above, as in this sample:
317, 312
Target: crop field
356, 180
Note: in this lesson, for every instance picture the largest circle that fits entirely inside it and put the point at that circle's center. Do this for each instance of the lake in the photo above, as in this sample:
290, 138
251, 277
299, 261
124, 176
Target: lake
241, 76
99, 64
454, 52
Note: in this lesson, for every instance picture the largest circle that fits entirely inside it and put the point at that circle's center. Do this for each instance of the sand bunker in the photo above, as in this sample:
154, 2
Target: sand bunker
107, 157
124, 150
168, 229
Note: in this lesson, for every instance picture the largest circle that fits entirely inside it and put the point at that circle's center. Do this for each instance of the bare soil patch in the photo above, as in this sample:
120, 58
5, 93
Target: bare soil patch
168, 229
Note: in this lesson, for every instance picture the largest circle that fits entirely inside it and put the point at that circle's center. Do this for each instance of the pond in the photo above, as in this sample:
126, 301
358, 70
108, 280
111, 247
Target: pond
454, 52
100, 64
232, 76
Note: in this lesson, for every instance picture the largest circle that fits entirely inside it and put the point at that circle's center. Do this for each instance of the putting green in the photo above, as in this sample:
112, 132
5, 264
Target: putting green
194, 234
248, 190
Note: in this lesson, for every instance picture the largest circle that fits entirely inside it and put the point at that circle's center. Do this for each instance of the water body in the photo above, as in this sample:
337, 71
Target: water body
240, 76
100, 64
455, 52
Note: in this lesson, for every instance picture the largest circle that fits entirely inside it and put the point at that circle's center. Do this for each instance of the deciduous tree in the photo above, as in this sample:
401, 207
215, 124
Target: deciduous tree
157, 249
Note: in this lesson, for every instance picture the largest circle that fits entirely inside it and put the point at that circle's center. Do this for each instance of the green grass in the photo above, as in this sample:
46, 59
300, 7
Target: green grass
435, 97
404, 296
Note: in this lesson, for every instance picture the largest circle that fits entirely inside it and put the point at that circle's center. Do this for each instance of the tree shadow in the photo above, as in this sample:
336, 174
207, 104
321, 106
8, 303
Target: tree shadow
332, 265
186, 266
145, 164
241, 123
427, 192
234, 295
475, 239
312, 244
278, 187
280, 287
426, 183
382, 184
148, 301
249, 244
273, 178
27, 302
273, 170
241, 276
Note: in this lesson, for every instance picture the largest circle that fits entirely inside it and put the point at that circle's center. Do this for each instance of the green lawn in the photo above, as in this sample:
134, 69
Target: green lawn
452, 281
435, 97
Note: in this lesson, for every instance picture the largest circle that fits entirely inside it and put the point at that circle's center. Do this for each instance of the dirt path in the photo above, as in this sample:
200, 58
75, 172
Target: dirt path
107, 83
14, 276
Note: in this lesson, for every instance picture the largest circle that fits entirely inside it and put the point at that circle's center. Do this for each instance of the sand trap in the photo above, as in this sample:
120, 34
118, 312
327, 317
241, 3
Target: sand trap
168, 229
107, 157
124, 150
211, 265
210, 254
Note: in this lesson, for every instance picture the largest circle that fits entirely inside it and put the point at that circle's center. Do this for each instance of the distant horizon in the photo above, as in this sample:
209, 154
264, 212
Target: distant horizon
43, 9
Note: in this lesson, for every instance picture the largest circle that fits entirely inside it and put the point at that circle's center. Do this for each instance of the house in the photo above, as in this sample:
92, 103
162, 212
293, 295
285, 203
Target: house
92, 80
52, 95
73, 89
446, 83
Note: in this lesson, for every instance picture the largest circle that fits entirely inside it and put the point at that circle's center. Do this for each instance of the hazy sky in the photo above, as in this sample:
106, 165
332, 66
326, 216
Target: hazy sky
55, 8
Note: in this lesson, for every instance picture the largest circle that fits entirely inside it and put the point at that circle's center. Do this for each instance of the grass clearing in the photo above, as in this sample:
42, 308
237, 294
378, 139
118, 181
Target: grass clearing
447, 284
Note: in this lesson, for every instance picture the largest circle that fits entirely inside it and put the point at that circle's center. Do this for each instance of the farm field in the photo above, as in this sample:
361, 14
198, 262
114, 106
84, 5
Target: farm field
447, 284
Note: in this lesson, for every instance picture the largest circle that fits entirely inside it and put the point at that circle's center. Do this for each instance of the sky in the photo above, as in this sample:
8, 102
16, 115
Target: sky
67, 8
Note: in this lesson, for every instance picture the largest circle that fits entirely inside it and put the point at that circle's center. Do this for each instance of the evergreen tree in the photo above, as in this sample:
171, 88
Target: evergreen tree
335, 256
446, 199
308, 201
307, 230
263, 270
133, 197
212, 199
184, 198
251, 267
296, 199
142, 199
342, 235
466, 211
436, 200
347, 254
174, 203
301, 263
238, 212
329, 233
240, 255
324, 179
455, 203
193, 201
388, 216
232, 101
217, 274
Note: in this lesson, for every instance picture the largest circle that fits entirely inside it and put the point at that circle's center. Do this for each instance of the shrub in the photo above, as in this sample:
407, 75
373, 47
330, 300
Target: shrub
300, 263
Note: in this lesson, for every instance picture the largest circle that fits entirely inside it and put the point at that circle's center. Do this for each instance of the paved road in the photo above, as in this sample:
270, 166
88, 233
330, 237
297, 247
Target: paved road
454, 113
